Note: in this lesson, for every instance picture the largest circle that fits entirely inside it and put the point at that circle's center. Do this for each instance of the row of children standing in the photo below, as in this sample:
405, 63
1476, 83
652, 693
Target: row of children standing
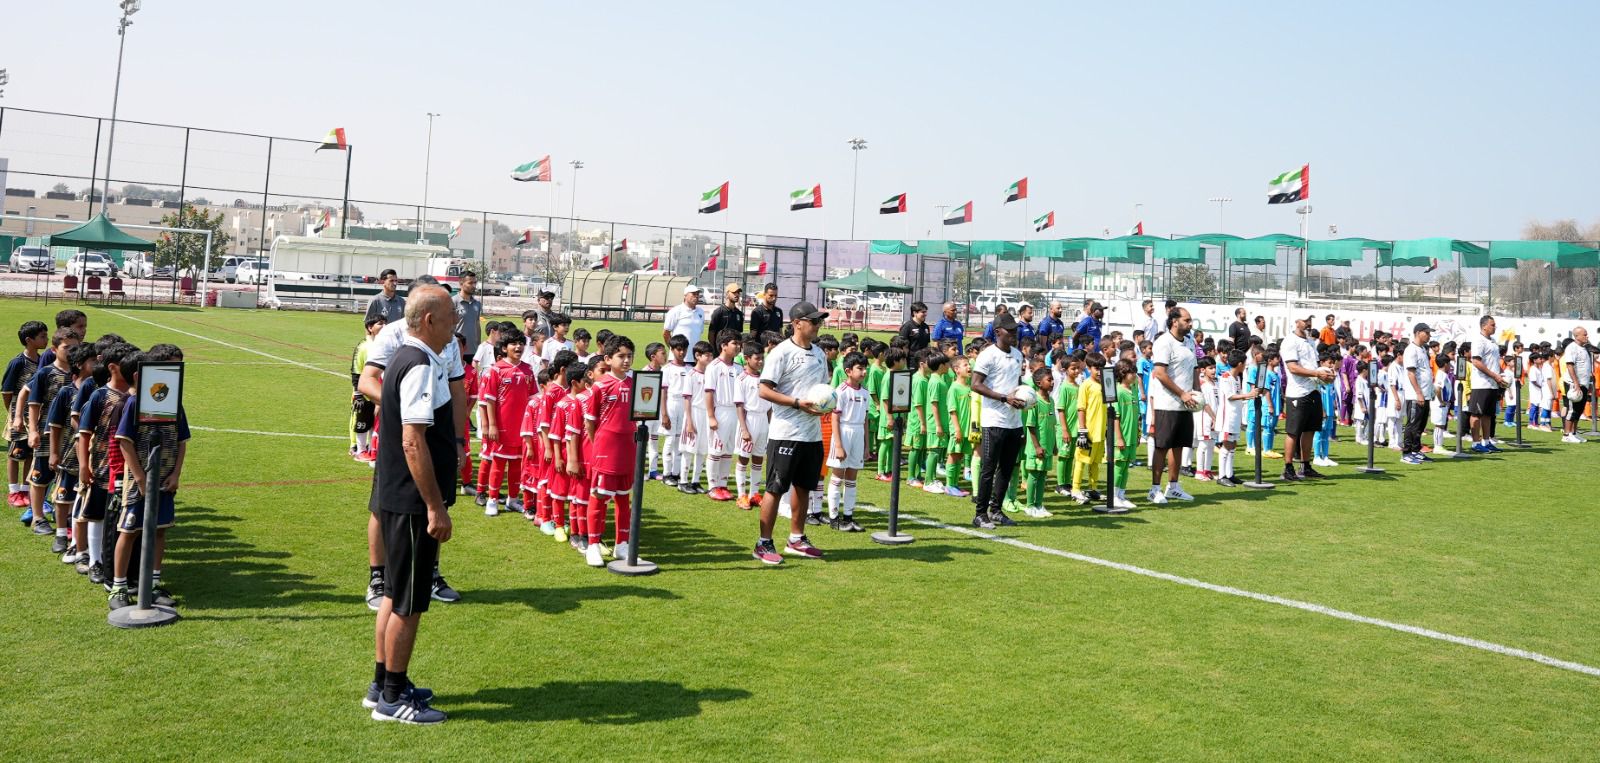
78, 457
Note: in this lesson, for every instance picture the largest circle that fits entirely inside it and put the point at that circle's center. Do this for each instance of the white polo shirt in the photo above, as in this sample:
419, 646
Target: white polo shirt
1416, 359
1485, 348
395, 334
791, 370
1179, 359
1002, 372
1298, 350
685, 321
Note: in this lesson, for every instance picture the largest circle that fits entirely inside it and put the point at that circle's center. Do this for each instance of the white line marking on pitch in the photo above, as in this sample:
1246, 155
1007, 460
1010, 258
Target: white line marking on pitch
272, 434
307, 366
1487, 646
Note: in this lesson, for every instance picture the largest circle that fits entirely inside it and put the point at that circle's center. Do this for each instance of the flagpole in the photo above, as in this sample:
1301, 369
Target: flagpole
1022, 272
344, 217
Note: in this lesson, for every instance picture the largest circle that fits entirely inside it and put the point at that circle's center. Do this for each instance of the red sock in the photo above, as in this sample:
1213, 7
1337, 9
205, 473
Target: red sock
496, 472
579, 520
597, 517
466, 468
484, 462
513, 476
624, 517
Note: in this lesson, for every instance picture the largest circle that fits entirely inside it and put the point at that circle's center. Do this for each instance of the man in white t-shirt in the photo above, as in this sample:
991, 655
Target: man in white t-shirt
1579, 365
1486, 385
995, 376
1416, 386
794, 437
687, 320
1302, 401
1172, 397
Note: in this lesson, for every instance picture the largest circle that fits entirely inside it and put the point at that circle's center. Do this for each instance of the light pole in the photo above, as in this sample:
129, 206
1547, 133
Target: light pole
427, 169
1219, 201
573, 213
857, 145
129, 7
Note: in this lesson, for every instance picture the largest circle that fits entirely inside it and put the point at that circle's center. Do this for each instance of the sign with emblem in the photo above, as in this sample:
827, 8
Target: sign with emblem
646, 396
900, 391
160, 393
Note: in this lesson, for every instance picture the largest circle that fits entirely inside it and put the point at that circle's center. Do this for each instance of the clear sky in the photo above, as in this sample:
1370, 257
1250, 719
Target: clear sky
1462, 119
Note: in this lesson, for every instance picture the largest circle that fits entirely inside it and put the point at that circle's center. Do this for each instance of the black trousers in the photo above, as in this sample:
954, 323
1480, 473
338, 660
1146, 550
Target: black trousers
998, 451
1416, 420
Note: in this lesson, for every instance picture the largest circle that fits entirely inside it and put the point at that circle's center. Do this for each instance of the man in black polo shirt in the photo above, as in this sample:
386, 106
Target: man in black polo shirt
416, 483
766, 316
730, 315
915, 331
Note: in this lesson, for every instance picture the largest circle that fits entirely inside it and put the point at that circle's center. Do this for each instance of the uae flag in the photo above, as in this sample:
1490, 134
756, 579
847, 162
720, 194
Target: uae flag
714, 200
533, 172
455, 230
893, 205
1290, 187
1046, 220
959, 215
1137, 229
711, 264
527, 238
620, 247
655, 264
327, 221
1017, 191
806, 198
334, 140
1433, 265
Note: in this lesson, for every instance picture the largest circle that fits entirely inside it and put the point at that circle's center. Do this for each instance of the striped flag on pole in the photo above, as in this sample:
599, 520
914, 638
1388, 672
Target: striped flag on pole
1046, 220
537, 171
1290, 187
893, 205
714, 200
334, 140
1018, 191
806, 198
959, 215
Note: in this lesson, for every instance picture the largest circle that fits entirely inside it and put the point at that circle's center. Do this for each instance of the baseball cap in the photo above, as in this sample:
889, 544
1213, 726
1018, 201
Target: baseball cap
692, 289
1421, 327
732, 287
547, 294
805, 311
1005, 321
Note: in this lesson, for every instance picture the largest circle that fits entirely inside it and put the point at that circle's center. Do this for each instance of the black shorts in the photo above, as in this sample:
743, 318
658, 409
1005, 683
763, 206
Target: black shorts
1575, 409
1303, 415
1174, 429
1482, 402
99, 501
410, 555
793, 464
41, 475
365, 413
19, 449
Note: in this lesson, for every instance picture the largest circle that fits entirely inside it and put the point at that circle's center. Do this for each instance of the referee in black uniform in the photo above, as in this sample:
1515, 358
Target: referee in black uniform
415, 485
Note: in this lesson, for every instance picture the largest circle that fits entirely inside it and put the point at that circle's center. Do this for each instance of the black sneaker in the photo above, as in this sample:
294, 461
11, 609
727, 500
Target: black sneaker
1227, 482
981, 521
97, 574
43, 527
163, 597
850, 526
999, 519
670, 480
836, 523
443, 592
481, 498
1095, 497
1289, 475
1188, 471
816, 519
118, 599
686, 488
1308, 473
1063, 490
59, 545
375, 592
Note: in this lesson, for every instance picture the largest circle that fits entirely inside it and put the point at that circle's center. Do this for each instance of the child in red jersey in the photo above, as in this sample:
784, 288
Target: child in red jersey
560, 485
553, 393
533, 456
608, 420
503, 399
574, 452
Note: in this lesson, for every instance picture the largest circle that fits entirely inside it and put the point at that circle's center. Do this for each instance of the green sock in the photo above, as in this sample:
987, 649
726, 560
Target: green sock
1064, 467
914, 464
883, 456
931, 466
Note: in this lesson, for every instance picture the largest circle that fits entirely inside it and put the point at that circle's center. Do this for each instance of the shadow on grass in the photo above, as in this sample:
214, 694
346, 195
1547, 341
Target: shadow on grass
218, 570
668, 540
554, 601
595, 702
920, 551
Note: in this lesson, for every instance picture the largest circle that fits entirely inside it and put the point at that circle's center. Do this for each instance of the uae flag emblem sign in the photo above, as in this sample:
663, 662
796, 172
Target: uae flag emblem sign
714, 200
806, 198
1290, 187
893, 205
959, 215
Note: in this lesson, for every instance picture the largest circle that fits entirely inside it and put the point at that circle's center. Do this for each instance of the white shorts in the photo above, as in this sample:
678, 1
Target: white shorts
1436, 414
853, 438
725, 440
675, 413
758, 437
1233, 421
701, 444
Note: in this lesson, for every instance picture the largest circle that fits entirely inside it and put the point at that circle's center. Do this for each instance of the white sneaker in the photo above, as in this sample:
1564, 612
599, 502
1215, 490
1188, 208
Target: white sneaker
1571, 438
620, 552
514, 504
548, 527
1158, 496
592, 557
1042, 512
492, 508
1078, 498
954, 492
934, 487
1122, 502
1329, 462
1176, 493
1030, 511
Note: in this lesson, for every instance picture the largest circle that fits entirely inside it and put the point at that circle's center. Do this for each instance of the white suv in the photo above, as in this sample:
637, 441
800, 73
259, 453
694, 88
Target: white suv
254, 271
89, 264
32, 259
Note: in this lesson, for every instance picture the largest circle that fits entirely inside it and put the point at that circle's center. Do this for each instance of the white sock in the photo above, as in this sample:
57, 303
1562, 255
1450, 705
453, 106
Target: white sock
739, 470
670, 460
15, 488
698, 461
835, 486
1227, 463
363, 440
650, 455
97, 536
1150, 450
1173, 485
815, 506
850, 498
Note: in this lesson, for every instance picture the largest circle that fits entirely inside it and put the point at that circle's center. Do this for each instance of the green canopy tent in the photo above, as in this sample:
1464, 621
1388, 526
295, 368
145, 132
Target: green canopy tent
1554, 254
1422, 253
100, 234
865, 280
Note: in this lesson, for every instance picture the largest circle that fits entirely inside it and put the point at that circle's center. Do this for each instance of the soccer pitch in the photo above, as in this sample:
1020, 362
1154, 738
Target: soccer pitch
1227, 630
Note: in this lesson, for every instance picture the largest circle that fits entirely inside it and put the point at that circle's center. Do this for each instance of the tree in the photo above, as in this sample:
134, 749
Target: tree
1449, 282
61, 188
1193, 282
185, 252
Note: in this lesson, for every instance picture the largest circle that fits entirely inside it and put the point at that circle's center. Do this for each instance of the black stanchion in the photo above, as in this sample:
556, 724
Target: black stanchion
1108, 395
1255, 444
1594, 415
147, 614
894, 537
633, 565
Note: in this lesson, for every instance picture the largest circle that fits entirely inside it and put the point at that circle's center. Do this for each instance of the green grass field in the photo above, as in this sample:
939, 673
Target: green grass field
957, 647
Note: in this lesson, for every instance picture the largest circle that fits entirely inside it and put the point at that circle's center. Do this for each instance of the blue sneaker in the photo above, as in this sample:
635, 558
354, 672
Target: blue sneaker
1478, 448
409, 710
27, 516
375, 694
1493, 448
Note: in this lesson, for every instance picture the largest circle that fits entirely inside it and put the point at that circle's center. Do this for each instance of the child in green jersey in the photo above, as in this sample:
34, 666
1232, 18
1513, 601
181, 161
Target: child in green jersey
1127, 434
894, 359
935, 427
1066, 397
1039, 449
957, 400
915, 438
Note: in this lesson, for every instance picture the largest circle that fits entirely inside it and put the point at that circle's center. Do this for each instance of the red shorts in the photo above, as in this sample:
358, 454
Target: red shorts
578, 490
559, 489
613, 484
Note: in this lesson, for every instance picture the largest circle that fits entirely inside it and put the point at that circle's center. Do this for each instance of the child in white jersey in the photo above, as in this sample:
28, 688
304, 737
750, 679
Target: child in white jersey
847, 450
674, 375
1205, 419
696, 441
753, 411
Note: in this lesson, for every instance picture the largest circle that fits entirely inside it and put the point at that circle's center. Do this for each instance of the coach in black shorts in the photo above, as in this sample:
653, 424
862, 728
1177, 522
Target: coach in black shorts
416, 483
1172, 392
1302, 400
794, 438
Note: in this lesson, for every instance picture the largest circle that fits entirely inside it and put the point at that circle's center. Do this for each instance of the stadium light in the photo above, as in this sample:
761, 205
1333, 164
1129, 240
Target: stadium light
857, 145
427, 168
1219, 201
129, 7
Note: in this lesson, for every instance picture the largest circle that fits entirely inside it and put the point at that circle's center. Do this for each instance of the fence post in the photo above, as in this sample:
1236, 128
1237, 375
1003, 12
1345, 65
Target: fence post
94, 171
183, 190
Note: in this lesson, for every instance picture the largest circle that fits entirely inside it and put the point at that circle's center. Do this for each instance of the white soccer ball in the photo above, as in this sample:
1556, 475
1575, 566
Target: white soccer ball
1025, 395
822, 396
1194, 404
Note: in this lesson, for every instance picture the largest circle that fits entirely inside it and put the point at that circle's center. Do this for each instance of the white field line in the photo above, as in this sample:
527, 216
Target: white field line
307, 366
272, 434
1487, 646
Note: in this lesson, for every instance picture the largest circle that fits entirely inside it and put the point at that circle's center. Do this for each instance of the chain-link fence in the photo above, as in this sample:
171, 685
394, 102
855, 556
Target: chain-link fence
262, 187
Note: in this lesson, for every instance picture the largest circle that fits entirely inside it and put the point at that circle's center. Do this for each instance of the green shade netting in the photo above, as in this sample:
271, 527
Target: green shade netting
1343, 252
890, 246
1422, 252
866, 279
1506, 254
1051, 250
1182, 251
1213, 239
1282, 239
952, 249
99, 233
1113, 251
1005, 250
1252, 252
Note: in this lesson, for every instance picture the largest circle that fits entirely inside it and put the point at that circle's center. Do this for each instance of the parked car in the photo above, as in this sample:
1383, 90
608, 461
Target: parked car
254, 271
32, 259
142, 265
89, 264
